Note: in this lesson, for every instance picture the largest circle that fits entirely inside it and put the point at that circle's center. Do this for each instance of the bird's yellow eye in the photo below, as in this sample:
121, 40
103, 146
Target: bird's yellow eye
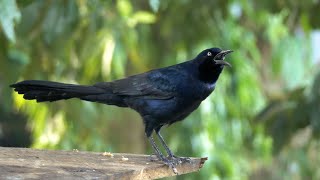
209, 54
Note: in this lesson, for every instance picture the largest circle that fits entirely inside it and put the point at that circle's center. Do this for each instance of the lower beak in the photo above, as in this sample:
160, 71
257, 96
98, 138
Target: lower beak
223, 54
222, 62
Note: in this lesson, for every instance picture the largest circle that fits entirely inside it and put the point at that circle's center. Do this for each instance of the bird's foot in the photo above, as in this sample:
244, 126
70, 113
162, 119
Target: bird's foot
169, 162
153, 157
179, 160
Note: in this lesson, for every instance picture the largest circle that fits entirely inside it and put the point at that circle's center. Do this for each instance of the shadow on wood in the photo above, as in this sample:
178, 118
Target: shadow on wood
20, 163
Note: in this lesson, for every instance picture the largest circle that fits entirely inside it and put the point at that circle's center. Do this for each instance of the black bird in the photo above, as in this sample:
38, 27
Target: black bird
161, 96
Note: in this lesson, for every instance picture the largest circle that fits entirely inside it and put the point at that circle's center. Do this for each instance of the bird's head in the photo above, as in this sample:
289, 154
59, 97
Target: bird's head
216, 56
210, 64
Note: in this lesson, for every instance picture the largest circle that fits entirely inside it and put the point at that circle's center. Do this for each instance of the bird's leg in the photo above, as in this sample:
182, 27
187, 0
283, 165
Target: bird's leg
169, 152
161, 157
155, 148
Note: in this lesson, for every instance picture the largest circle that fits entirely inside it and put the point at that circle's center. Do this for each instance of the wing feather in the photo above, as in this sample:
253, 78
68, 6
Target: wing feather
151, 85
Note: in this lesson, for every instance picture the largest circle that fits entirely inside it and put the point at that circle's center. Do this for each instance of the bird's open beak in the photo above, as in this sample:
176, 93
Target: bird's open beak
219, 58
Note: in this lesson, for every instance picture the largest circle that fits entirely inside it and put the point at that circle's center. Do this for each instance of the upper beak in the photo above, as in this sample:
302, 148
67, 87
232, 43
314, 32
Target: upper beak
221, 55
225, 52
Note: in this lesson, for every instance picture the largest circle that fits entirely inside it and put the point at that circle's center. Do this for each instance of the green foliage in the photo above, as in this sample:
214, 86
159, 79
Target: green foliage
9, 13
260, 106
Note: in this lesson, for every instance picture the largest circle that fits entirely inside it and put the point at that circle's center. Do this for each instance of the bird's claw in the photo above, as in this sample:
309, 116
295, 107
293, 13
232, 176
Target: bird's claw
154, 157
180, 160
171, 163
167, 161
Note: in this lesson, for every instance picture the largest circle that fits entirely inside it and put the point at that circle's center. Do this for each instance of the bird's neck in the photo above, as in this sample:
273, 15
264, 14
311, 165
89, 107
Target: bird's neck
208, 72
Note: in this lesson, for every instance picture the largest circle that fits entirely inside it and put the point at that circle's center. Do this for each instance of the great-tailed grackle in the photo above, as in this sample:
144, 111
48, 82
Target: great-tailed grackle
161, 96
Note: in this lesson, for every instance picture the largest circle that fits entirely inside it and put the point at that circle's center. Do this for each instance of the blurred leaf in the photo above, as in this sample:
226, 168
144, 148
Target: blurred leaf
154, 5
276, 27
124, 8
18, 56
9, 15
142, 17
315, 105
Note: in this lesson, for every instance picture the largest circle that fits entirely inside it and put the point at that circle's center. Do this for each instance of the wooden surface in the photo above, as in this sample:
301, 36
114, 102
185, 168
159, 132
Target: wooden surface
24, 163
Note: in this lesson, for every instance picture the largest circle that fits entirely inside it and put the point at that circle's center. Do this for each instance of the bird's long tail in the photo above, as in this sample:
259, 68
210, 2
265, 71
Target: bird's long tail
54, 91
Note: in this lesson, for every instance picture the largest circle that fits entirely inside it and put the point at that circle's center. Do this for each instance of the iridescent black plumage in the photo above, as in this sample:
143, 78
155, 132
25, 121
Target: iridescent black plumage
161, 96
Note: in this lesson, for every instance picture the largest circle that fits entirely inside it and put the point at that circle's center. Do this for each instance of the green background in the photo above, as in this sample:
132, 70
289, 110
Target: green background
261, 122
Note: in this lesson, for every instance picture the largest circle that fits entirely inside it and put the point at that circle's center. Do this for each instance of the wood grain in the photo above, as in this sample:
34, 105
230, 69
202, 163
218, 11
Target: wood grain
25, 163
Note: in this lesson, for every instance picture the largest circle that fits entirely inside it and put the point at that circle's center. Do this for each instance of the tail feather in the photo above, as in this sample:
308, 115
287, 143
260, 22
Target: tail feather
53, 91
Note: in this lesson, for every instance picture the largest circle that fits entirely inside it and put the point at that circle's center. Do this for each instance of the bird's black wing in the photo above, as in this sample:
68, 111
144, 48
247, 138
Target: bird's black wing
150, 85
